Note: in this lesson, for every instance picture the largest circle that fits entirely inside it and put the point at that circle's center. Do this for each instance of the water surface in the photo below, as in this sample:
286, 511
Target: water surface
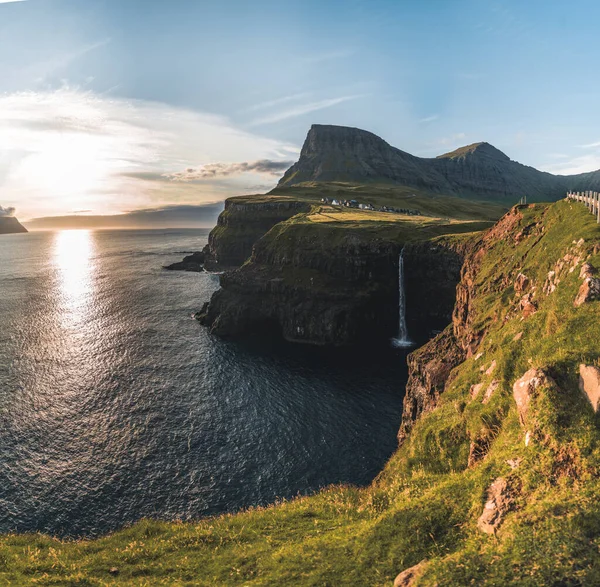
116, 405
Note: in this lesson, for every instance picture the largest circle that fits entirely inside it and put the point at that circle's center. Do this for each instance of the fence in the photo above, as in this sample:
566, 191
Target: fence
590, 199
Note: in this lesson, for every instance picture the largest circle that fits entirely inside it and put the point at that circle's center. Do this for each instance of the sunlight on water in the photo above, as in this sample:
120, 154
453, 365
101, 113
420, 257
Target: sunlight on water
73, 258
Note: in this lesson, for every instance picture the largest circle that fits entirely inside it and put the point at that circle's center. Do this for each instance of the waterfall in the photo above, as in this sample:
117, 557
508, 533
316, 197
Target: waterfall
402, 340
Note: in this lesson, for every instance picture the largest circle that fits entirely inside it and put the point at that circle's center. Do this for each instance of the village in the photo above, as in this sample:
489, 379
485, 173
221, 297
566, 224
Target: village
362, 206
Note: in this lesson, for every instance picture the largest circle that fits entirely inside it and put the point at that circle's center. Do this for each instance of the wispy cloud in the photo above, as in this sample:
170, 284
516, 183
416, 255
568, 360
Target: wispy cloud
10, 211
215, 170
302, 109
277, 102
590, 145
10, 1
431, 118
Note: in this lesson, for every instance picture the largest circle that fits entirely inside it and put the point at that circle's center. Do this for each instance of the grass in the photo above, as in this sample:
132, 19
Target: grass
425, 503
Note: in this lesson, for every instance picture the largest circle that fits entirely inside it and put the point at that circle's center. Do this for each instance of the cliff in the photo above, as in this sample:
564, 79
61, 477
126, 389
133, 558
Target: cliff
496, 483
330, 277
480, 171
10, 225
244, 220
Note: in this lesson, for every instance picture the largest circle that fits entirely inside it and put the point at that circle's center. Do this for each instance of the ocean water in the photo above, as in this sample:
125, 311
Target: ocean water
116, 405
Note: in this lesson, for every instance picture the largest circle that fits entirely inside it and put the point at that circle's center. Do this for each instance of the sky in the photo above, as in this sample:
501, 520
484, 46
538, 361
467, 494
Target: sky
114, 106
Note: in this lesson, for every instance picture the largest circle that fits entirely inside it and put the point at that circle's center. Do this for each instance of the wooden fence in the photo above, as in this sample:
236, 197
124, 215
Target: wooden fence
590, 199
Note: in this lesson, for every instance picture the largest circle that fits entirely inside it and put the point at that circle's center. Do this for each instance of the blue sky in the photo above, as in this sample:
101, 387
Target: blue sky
116, 105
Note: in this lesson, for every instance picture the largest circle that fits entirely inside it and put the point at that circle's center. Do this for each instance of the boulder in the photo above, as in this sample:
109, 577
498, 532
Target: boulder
499, 503
525, 388
475, 389
588, 292
589, 383
409, 576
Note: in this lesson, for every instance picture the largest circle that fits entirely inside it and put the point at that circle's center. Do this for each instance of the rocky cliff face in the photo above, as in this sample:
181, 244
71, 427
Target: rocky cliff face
309, 290
343, 154
10, 225
329, 285
241, 224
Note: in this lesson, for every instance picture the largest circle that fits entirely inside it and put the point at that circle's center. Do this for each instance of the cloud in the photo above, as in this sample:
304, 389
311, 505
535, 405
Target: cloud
302, 109
10, 211
450, 140
277, 102
215, 170
10, 1
591, 145
429, 118
68, 149
576, 165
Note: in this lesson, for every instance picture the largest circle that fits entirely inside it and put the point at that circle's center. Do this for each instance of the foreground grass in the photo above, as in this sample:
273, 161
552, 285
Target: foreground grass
425, 504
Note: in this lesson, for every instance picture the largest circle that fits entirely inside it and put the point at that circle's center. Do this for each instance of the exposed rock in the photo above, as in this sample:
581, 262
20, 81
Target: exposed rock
489, 392
525, 388
528, 305
475, 389
518, 336
499, 502
590, 288
522, 283
429, 371
587, 270
193, 262
491, 368
408, 577
589, 384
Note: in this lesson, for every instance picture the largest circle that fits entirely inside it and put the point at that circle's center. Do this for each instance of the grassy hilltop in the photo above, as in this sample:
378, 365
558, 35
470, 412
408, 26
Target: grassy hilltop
424, 507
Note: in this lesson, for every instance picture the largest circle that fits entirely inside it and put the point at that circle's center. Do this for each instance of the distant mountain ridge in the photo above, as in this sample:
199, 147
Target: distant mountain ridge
10, 225
345, 154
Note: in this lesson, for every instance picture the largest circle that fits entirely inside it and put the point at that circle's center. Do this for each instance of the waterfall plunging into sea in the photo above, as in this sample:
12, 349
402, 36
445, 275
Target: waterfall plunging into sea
402, 340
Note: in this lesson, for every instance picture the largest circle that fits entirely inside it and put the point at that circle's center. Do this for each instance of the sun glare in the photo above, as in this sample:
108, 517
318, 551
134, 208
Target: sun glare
73, 256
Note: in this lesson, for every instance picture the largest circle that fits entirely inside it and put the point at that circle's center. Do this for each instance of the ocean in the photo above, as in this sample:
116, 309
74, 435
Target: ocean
116, 405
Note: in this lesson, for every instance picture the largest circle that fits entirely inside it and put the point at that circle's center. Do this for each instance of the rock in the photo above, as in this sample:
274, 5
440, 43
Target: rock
589, 384
113, 571
475, 389
408, 577
524, 390
193, 262
514, 463
499, 503
491, 368
522, 283
492, 387
429, 370
518, 337
587, 270
590, 288
528, 305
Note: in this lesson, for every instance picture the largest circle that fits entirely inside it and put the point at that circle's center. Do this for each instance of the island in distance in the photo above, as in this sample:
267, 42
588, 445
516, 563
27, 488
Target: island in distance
10, 225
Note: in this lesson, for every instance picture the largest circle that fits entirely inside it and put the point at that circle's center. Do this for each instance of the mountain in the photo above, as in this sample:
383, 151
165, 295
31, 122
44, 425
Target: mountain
10, 225
480, 171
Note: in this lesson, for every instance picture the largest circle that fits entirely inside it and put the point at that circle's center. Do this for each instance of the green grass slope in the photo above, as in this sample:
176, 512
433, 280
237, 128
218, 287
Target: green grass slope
424, 506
